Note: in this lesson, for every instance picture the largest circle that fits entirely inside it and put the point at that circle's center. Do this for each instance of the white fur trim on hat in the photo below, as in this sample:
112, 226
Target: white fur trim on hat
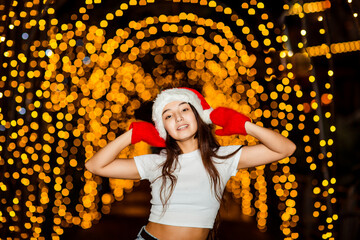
177, 94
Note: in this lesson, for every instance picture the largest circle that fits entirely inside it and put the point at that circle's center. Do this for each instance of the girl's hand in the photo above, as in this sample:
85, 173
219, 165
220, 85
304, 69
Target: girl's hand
231, 121
144, 131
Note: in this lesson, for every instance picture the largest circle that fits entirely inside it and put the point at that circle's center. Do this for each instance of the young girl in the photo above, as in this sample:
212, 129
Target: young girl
188, 177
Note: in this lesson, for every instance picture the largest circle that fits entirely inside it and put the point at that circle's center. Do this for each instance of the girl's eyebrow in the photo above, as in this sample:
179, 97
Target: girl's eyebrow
170, 109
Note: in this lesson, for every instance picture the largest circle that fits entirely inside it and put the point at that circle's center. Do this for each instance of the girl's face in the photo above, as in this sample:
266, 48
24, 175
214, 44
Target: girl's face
179, 121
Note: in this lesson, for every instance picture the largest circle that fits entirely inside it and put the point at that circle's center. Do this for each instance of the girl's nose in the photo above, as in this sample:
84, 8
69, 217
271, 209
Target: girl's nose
179, 117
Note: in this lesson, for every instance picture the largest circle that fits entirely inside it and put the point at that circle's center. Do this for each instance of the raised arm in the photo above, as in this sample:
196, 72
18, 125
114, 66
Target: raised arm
272, 147
105, 163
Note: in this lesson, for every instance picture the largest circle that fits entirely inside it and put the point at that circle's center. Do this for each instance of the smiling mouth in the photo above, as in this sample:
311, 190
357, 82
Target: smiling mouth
182, 127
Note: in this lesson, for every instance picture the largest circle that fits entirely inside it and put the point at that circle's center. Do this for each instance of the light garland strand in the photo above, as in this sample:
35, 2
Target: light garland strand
325, 202
355, 15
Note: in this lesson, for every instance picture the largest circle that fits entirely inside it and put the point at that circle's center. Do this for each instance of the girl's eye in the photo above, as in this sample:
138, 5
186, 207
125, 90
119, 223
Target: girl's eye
185, 109
167, 117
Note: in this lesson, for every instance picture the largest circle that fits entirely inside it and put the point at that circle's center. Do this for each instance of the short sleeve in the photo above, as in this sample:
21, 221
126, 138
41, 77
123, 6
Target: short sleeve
235, 161
148, 165
231, 163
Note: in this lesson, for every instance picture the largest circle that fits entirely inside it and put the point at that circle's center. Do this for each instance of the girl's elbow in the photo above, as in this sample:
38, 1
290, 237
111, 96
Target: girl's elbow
291, 149
89, 167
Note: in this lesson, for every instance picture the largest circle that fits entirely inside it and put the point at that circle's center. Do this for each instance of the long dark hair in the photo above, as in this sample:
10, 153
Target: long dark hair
208, 147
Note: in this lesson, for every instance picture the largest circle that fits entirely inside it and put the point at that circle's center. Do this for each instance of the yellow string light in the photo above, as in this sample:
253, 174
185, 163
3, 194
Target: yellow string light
315, 110
355, 14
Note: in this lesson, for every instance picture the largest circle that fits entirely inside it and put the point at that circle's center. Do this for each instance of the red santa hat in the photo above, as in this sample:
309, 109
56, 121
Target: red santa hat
179, 94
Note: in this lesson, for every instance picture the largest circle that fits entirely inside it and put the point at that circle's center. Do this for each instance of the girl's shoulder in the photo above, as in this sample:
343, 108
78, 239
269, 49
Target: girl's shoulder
153, 157
223, 150
163, 153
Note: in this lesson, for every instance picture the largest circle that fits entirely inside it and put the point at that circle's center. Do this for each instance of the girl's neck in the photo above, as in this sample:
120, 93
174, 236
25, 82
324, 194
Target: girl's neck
188, 145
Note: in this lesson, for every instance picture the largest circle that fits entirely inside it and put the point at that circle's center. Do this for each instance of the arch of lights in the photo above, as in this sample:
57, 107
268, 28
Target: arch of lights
78, 88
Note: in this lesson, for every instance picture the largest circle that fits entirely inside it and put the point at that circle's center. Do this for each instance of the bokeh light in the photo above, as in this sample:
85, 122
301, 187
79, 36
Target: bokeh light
74, 86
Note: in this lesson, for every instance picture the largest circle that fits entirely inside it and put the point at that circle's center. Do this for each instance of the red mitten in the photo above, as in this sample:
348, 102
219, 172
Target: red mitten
231, 121
144, 131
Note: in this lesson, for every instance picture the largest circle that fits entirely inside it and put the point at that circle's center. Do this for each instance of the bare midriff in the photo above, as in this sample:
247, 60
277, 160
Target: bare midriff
167, 232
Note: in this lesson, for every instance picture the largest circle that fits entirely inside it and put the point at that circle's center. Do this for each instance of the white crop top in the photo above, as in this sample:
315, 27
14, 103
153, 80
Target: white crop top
192, 203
